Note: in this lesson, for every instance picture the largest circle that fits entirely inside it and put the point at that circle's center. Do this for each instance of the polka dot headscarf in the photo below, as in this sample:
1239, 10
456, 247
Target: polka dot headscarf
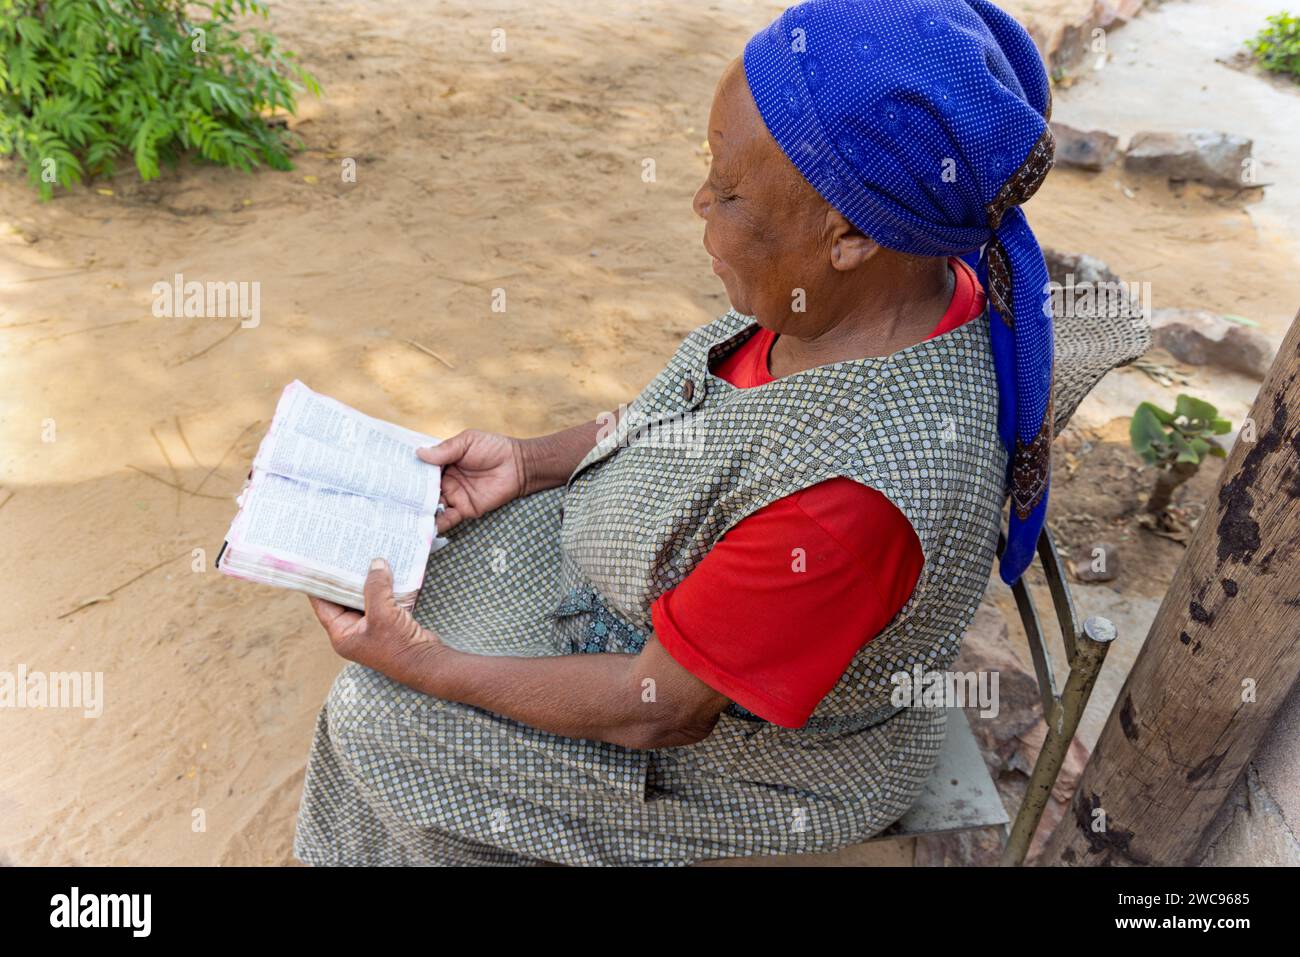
924, 122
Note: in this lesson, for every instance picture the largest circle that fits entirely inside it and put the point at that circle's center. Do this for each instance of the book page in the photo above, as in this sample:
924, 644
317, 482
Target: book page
310, 528
317, 439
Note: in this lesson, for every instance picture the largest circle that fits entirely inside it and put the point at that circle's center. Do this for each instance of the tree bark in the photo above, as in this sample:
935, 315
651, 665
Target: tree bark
1259, 825
1222, 655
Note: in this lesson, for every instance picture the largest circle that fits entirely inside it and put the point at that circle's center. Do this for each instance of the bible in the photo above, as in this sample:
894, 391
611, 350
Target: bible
330, 490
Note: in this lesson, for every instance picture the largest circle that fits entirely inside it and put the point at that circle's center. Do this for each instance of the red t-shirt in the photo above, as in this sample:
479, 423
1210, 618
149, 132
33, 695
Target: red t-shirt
782, 603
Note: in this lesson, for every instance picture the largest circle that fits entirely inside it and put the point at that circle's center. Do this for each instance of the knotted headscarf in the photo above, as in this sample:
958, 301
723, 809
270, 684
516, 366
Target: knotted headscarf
924, 123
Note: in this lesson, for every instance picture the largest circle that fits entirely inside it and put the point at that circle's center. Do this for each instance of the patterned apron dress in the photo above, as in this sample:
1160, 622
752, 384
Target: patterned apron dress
398, 777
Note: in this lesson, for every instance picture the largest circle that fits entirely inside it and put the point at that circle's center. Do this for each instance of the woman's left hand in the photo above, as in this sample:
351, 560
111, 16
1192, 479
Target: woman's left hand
385, 638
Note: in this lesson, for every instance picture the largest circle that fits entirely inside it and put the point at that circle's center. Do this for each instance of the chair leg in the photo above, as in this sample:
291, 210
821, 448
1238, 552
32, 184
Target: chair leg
1062, 722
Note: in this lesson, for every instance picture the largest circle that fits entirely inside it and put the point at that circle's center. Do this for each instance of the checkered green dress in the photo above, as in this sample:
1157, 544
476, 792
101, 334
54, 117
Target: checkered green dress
398, 777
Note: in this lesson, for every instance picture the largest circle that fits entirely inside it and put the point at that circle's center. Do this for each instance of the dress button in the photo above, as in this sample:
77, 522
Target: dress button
688, 389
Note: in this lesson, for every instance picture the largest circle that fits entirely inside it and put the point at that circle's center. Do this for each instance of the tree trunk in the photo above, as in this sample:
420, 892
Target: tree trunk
1222, 655
1259, 825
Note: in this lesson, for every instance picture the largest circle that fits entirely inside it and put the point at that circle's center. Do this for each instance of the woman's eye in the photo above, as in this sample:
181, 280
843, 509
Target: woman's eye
724, 197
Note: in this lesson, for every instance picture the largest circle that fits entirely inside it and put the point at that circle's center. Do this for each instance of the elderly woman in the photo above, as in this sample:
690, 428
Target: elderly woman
672, 638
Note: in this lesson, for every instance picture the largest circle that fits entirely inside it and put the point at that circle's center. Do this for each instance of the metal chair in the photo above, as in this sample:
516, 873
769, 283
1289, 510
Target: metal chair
960, 794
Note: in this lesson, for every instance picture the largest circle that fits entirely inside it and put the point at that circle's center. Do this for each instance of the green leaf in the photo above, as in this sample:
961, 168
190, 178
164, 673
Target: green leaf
1163, 417
1193, 409
32, 31
1147, 435
1183, 448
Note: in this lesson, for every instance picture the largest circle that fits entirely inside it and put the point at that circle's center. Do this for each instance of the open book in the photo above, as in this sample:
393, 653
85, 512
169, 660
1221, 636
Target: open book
331, 489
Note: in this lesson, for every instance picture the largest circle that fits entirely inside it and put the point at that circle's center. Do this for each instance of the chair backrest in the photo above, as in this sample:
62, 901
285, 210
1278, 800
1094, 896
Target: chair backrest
1090, 338
1085, 646
960, 795
1089, 342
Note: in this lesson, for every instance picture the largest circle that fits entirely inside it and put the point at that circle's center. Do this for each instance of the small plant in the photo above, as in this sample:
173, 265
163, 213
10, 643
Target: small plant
1277, 46
84, 81
1175, 443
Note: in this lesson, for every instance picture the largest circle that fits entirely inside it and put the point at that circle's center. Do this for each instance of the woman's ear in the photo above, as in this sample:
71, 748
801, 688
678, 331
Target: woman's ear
849, 247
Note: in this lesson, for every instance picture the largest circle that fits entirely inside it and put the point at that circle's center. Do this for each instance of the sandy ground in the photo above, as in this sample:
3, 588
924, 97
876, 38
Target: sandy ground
475, 170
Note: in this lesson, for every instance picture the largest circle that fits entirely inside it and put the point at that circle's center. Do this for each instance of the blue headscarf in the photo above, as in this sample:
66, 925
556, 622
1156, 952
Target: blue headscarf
924, 122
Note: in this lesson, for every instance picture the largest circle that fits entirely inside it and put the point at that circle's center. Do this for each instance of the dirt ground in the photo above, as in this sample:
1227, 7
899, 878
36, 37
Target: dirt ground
475, 170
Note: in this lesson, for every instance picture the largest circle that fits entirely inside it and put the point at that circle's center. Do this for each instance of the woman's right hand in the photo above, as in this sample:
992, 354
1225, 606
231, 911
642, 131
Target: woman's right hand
480, 471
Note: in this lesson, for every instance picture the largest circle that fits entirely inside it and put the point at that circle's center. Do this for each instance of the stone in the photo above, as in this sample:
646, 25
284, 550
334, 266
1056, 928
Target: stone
1207, 156
1082, 285
1084, 149
1116, 13
1064, 33
1201, 338
1062, 268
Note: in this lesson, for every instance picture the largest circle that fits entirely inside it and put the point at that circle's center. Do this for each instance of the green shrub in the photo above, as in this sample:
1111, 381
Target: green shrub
1277, 47
84, 81
1176, 443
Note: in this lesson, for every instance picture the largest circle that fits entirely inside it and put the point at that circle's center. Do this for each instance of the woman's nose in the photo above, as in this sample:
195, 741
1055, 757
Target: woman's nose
701, 202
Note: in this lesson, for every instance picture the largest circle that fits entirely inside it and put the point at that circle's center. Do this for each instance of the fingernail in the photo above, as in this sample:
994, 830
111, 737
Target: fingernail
378, 565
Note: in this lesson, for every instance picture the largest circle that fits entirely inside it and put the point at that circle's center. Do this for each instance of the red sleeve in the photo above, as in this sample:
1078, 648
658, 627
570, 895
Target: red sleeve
775, 612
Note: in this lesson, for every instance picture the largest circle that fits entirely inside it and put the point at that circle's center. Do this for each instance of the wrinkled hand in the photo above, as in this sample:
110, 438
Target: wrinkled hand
480, 471
386, 638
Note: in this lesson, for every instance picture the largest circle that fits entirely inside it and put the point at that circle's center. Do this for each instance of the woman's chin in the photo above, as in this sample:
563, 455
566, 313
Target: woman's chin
735, 301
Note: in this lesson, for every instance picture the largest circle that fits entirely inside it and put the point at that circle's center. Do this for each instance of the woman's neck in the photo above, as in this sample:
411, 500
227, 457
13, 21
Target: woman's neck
892, 317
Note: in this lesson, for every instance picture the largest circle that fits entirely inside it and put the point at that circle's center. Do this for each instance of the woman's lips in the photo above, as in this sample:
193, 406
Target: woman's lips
717, 263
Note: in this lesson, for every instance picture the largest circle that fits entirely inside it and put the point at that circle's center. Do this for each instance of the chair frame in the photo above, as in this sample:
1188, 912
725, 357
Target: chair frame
1085, 645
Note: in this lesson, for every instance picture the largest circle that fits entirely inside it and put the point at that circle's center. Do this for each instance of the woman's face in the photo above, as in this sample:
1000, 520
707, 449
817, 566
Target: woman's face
764, 225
